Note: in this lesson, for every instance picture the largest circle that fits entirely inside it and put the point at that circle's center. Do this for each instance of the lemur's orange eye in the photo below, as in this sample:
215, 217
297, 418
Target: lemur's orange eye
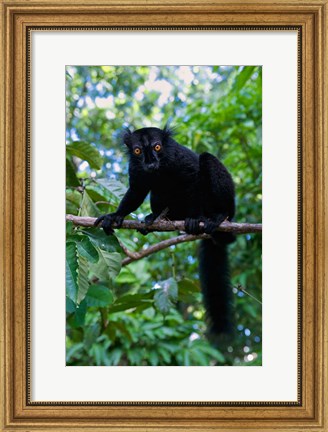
157, 147
137, 151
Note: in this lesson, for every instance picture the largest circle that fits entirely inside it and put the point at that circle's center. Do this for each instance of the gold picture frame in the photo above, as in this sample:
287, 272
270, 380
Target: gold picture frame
310, 412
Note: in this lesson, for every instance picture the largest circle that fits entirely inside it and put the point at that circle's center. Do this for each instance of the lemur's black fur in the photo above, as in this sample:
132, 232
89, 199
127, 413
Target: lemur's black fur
188, 187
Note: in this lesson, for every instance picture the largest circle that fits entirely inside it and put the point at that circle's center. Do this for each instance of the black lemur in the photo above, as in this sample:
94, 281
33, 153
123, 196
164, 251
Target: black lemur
190, 187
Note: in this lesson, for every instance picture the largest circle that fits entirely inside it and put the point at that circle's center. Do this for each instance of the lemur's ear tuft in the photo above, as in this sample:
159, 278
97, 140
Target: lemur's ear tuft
168, 130
126, 136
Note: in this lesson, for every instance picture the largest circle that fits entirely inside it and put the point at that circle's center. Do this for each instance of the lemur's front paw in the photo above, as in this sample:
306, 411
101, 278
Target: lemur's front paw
211, 225
108, 220
192, 226
149, 220
143, 231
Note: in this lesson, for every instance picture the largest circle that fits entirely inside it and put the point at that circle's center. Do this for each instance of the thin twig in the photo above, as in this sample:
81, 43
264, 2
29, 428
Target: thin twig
240, 288
128, 252
163, 245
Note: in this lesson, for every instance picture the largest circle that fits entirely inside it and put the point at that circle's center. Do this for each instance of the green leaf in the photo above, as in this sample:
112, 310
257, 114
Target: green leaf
115, 187
71, 179
70, 306
78, 317
132, 301
115, 356
143, 306
80, 313
88, 208
108, 266
101, 240
87, 250
73, 201
165, 355
71, 271
113, 261
98, 353
199, 358
186, 358
187, 290
69, 228
87, 152
135, 356
153, 358
242, 78
73, 351
122, 307
127, 276
172, 348
99, 296
77, 283
90, 335
141, 269
188, 286
85, 247
74, 196
82, 278
68, 74
120, 328
97, 193
250, 309
213, 352
165, 295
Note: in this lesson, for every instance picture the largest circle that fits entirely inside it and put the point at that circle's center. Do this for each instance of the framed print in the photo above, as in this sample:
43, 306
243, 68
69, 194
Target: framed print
109, 319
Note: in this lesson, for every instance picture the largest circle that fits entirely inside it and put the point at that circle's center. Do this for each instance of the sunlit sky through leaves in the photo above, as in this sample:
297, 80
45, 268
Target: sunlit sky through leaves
186, 74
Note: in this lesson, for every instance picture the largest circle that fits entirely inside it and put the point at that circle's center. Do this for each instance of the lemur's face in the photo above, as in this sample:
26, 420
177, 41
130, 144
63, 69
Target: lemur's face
147, 147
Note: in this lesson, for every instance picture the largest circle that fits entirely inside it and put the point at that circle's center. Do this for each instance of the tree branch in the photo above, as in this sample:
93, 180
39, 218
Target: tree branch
161, 245
165, 225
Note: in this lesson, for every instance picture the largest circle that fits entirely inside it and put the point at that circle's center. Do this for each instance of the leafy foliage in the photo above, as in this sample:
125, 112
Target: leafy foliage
167, 293
150, 312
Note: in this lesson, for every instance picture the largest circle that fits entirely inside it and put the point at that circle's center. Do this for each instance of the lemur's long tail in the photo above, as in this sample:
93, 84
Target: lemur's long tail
215, 283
